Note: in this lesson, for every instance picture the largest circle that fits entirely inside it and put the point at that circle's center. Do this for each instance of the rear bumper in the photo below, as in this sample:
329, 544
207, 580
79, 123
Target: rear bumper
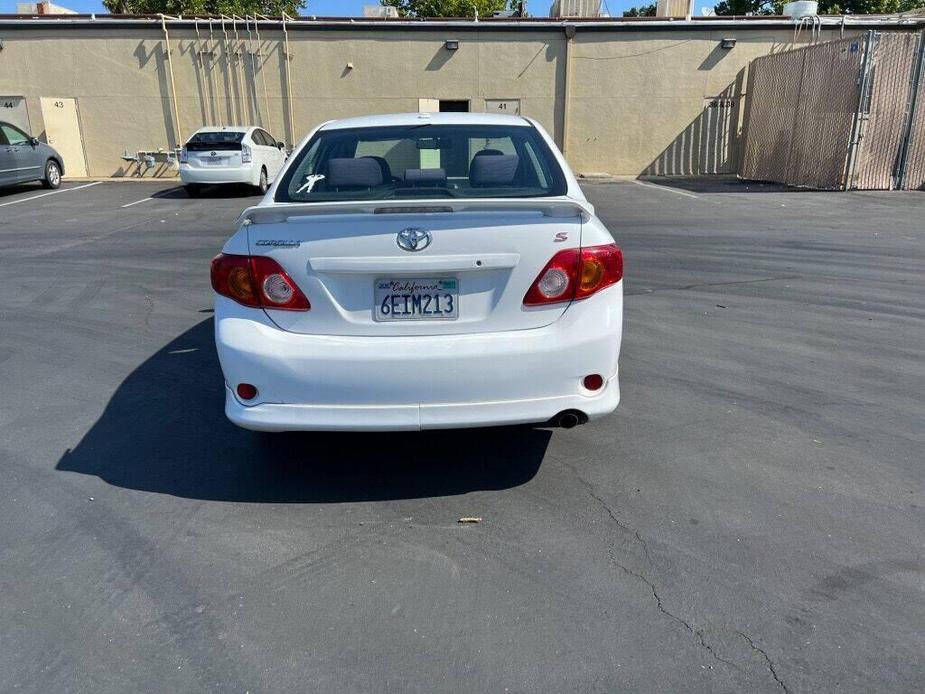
278, 417
237, 174
331, 383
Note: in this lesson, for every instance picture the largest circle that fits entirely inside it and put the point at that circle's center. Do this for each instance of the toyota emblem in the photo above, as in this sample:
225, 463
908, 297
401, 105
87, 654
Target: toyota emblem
413, 239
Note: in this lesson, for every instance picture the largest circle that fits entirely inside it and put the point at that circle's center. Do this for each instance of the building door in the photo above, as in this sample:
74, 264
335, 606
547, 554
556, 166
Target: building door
13, 110
428, 105
62, 131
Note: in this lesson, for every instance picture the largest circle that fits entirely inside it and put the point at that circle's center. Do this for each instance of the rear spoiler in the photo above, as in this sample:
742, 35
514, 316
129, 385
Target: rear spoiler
298, 212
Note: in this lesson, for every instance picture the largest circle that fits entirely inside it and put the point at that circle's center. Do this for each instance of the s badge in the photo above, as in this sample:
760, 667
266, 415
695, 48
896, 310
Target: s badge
560, 237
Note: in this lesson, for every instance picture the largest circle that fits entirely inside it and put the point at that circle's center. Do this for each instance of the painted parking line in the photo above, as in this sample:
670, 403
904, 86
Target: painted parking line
665, 188
54, 192
138, 202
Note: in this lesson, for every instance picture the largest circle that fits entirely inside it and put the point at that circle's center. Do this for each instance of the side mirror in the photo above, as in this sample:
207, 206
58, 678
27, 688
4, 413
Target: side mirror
281, 145
34, 141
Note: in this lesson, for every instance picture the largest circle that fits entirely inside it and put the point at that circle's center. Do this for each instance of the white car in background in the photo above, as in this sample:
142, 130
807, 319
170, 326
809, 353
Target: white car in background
420, 271
230, 155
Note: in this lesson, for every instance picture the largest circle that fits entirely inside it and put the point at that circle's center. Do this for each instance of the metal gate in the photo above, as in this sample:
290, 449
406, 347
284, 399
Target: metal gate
836, 115
912, 157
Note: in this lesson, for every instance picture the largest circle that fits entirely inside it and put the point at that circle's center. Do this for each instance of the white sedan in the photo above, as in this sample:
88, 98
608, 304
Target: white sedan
230, 155
420, 271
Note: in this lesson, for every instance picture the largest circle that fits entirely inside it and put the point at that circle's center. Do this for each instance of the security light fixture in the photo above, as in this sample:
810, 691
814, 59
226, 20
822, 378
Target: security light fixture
451, 44
727, 43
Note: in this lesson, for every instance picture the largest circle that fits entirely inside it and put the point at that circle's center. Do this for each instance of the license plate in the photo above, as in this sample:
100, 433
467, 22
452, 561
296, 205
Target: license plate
213, 161
416, 299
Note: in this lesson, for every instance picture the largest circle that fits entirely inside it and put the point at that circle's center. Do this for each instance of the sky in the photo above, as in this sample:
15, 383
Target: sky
335, 8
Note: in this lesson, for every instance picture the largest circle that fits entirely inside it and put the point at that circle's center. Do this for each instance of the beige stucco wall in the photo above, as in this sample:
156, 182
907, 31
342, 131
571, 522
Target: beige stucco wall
638, 100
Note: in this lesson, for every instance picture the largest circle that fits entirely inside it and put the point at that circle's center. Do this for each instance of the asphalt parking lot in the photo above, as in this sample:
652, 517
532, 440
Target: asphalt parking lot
751, 519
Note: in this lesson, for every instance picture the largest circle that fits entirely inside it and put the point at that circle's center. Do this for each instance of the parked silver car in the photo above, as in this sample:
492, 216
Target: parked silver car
23, 158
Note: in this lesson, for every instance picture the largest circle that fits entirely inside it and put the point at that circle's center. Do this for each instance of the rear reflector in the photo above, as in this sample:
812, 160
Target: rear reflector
256, 281
593, 381
576, 273
246, 391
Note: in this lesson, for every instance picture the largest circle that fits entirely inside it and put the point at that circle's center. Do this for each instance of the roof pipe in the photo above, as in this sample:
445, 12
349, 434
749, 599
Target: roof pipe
263, 79
213, 99
287, 58
239, 65
229, 79
570, 32
173, 86
250, 43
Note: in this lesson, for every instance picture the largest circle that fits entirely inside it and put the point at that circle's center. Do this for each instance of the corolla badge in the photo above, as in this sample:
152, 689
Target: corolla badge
413, 239
277, 243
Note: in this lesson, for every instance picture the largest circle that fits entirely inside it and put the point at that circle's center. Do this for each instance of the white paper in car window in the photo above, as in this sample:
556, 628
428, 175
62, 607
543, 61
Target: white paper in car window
430, 158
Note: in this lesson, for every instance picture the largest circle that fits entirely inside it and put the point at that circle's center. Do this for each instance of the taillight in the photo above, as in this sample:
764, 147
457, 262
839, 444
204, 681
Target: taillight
601, 266
256, 281
245, 154
184, 155
576, 273
556, 282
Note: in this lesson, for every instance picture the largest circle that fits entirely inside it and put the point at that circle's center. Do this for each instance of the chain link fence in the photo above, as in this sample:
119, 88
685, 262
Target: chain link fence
912, 158
838, 115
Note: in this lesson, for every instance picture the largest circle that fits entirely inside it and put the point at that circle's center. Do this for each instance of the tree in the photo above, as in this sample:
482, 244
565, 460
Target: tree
271, 8
867, 6
447, 8
743, 7
641, 11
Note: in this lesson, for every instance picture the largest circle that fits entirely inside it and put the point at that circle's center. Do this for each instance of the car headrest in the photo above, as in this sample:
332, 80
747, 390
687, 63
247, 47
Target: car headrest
425, 177
484, 153
384, 165
493, 170
353, 173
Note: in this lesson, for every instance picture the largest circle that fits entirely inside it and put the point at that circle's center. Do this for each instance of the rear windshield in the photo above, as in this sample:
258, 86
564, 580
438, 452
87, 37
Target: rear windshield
421, 161
224, 139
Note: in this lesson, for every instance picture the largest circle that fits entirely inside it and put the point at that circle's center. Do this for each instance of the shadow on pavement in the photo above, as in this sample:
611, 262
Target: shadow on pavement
164, 431
231, 190
37, 187
720, 184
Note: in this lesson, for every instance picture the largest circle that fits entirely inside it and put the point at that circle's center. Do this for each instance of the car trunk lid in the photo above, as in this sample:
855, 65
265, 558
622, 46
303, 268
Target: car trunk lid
481, 258
207, 155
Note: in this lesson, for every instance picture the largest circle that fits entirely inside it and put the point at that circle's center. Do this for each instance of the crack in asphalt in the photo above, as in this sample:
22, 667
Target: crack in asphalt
767, 660
698, 633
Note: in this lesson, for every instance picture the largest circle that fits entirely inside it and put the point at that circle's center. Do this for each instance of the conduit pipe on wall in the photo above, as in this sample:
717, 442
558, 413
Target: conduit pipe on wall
214, 96
229, 93
239, 67
263, 79
198, 43
173, 87
250, 43
288, 57
200, 51
570, 32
